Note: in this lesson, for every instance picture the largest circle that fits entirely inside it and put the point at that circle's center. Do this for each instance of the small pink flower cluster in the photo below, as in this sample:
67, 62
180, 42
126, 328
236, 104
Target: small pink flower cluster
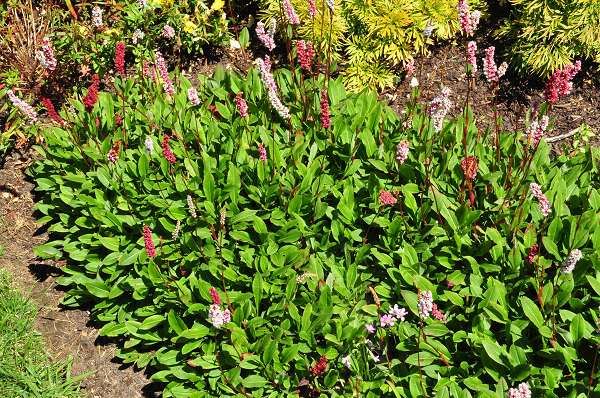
264, 67
192, 95
148, 70
533, 252
168, 32
161, 65
312, 8
522, 391
468, 20
536, 130
97, 17
402, 152
492, 72
266, 38
290, 12
425, 303
537, 193
113, 154
46, 55
437, 313
325, 114
262, 153
217, 316
560, 83
471, 56
395, 314
23, 106
166, 149
306, 53
241, 105
569, 264
386, 198
439, 107
469, 166
148, 243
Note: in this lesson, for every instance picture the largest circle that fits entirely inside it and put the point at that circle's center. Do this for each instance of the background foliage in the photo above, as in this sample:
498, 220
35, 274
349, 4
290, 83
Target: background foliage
544, 36
375, 38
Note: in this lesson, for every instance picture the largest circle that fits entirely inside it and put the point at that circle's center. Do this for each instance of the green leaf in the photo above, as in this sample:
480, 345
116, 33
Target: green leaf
254, 381
47, 251
532, 312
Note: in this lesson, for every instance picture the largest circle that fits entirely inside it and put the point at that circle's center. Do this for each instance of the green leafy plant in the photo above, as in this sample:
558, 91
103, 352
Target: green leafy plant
544, 36
584, 133
266, 256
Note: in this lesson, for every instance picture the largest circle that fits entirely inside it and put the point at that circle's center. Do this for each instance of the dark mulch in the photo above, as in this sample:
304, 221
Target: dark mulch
446, 66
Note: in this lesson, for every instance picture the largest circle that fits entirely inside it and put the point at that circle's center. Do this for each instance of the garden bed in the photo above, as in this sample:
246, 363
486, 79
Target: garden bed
67, 333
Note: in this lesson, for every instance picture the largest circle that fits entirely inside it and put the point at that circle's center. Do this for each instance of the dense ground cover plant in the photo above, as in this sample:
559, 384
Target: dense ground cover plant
375, 39
267, 235
544, 36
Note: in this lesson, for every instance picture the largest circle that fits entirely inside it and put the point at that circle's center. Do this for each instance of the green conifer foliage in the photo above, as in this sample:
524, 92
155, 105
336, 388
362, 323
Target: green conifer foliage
373, 39
545, 35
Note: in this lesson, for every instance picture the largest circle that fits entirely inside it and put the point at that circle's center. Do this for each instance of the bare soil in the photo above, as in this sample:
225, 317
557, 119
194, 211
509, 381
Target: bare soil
446, 66
67, 333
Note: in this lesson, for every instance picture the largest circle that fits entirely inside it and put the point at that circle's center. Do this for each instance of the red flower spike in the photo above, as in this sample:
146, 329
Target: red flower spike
320, 367
214, 295
91, 97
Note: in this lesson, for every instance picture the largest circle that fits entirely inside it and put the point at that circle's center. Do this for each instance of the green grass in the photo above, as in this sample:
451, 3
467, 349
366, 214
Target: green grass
25, 368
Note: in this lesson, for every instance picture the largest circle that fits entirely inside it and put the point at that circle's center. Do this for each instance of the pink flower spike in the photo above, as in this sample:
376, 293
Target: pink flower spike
168, 32
46, 55
192, 95
241, 105
262, 153
266, 38
23, 106
437, 313
425, 303
306, 54
387, 320
489, 65
167, 152
148, 243
536, 192
290, 12
161, 65
386, 198
312, 8
569, 264
402, 152
214, 295
370, 328
471, 56
560, 83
